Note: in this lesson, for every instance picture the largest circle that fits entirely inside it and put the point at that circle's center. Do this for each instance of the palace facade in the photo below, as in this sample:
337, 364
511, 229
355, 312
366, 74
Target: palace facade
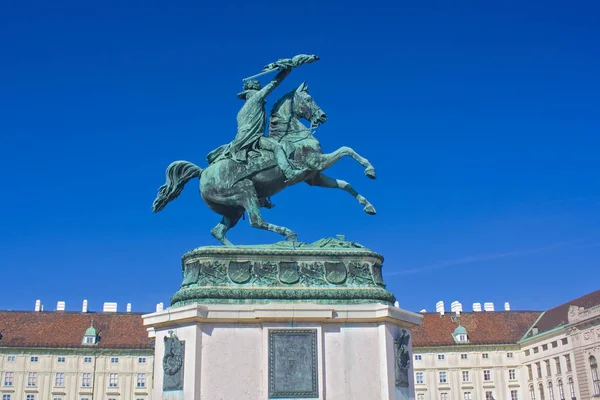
477, 355
509, 355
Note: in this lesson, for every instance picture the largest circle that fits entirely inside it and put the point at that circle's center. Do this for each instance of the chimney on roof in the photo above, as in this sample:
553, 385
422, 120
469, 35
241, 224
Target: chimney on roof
476, 307
159, 307
84, 306
38, 306
128, 307
109, 307
61, 306
507, 306
423, 311
439, 307
488, 306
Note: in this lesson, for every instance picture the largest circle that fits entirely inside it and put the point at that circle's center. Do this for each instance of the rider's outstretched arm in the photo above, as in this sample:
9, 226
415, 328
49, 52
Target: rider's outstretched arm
269, 87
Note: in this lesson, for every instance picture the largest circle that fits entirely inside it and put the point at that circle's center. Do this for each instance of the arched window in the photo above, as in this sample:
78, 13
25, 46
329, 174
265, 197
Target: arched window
595, 379
550, 391
572, 388
541, 388
532, 392
561, 390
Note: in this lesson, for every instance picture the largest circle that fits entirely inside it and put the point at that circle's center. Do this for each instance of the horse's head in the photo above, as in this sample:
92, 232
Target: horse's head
305, 107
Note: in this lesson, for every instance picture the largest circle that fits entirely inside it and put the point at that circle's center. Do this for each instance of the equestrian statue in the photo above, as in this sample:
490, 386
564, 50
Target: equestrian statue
244, 174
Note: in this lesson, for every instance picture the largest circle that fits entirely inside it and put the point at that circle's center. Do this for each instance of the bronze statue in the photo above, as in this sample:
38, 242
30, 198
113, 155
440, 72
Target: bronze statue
243, 175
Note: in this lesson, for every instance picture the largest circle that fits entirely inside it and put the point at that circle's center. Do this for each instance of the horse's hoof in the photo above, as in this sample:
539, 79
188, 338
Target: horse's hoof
370, 210
370, 172
292, 238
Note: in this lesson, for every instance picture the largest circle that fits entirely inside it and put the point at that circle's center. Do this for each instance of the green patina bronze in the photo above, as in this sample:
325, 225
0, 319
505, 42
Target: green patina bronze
244, 174
329, 270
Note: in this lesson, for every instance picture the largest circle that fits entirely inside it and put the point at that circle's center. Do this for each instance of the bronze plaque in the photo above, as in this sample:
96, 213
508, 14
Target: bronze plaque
293, 364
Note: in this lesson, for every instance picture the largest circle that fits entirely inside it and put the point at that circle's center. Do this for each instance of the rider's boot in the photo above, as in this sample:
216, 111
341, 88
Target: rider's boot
292, 175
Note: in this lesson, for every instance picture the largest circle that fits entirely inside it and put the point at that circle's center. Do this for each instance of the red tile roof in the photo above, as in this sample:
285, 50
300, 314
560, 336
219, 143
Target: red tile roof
483, 328
66, 330
558, 316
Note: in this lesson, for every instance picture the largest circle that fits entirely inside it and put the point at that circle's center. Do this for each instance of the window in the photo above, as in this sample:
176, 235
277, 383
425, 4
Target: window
443, 396
6, 397
89, 339
461, 337
572, 388
86, 379
465, 376
59, 379
531, 392
557, 360
489, 395
530, 371
87, 359
420, 396
60, 359
141, 380
418, 357
113, 380
485, 355
464, 356
538, 367
419, 377
11, 359
548, 369
554, 344
568, 361
514, 395
536, 350
30, 397
8, 378
84, 398
527, 352
33, 359
512, 375
114, 360
441, 356
561, 390
550, 391
509, 355
468, 396
564, 340
142, 360
32, 379
541, 388
545, 347
595, 379
487, 375
443, 377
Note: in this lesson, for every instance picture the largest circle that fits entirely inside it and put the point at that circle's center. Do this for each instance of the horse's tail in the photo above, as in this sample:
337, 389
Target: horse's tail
178, 174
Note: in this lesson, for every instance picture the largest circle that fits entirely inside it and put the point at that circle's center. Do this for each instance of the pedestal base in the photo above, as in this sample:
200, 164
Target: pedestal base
283, 350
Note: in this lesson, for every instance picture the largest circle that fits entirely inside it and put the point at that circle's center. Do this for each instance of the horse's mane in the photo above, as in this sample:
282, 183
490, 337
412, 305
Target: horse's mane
283, 123
281, 102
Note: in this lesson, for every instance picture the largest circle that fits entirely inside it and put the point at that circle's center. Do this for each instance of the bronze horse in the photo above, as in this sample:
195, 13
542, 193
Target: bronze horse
229, 188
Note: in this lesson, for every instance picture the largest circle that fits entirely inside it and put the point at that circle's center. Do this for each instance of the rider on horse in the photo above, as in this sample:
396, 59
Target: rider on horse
252, 120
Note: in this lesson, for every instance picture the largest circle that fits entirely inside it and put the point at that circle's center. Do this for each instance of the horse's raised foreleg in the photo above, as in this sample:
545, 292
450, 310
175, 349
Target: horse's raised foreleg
321, 162
251, 203
332, 183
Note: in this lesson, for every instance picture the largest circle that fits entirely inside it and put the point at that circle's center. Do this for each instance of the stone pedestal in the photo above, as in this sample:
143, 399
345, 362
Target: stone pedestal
258, 323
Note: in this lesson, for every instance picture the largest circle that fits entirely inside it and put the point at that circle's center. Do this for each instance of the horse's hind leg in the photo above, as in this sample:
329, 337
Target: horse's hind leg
226, 224
252, 205
325, 181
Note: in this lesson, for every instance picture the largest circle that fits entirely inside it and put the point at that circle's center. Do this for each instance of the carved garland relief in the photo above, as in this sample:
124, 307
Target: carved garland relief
270, 273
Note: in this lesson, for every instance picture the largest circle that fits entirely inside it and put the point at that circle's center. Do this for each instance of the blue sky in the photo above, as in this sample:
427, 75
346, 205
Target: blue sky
482, 121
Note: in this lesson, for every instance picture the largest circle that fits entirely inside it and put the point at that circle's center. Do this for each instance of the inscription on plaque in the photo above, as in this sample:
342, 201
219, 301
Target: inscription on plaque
293, 363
